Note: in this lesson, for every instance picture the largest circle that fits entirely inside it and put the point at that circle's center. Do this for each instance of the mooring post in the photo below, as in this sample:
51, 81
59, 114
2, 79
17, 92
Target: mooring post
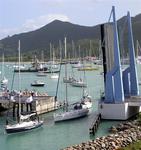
14, 105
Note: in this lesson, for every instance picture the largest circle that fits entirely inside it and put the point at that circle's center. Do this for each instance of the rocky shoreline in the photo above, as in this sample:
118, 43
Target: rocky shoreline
121, 136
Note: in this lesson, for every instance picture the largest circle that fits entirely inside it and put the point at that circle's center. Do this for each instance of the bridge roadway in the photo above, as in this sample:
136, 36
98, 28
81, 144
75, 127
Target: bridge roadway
133, 100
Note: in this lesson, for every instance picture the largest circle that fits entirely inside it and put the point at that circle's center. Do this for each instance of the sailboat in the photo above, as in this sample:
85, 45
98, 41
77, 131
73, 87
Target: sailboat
72, 113
24, 122
78, 83
53, 75
69, 79
41, 73
4, 80
86, 100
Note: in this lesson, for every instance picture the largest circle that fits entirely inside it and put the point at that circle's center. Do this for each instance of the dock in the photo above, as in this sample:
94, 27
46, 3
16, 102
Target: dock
40, 104
95, 124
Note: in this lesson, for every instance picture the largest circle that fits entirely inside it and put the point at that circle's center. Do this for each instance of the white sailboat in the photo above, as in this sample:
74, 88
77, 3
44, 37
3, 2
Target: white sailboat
86, 100
24, 122
69, 79
73, 113
4, 80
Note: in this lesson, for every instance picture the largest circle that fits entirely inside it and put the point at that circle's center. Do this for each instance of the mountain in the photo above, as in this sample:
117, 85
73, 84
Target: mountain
38, 40
52, 32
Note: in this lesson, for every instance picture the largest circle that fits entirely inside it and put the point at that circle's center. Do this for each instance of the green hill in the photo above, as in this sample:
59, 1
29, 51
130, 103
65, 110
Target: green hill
39, 40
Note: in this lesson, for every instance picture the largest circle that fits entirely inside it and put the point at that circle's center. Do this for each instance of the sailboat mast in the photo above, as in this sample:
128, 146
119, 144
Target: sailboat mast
3, 66
60, 47
66, 100
50, 57
19, 48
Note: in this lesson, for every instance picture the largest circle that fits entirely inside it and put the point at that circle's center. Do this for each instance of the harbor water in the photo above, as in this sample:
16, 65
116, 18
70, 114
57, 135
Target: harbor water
54, 136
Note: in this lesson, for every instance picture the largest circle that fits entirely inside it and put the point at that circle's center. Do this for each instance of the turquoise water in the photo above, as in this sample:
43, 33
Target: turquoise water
54, 136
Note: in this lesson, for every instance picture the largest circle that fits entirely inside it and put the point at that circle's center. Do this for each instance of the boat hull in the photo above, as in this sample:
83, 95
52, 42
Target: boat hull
76, 84
37, 84
22, 129
74, 114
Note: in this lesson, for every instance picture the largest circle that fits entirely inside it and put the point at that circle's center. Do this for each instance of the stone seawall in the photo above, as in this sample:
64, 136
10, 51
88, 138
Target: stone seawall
122, 135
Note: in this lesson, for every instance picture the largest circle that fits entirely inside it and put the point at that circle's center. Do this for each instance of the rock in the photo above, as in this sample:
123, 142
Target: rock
123, 135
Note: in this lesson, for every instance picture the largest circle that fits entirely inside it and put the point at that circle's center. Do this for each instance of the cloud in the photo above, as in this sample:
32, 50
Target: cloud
33, 24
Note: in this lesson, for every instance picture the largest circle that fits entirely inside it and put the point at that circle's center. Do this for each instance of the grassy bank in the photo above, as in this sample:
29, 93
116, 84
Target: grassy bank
135, 146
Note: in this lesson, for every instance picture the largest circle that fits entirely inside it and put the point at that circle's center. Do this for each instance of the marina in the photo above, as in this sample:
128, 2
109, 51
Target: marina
66, 86
51, 131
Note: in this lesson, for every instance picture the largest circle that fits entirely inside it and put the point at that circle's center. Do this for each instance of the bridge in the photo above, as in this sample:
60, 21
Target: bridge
133, 101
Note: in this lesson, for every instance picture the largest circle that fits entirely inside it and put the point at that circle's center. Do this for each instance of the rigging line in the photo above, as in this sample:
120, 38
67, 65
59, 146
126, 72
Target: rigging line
110, 15
59, 70
13, 79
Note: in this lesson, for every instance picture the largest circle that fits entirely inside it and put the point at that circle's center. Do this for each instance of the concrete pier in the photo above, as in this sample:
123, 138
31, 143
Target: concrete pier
40, 104
94, 124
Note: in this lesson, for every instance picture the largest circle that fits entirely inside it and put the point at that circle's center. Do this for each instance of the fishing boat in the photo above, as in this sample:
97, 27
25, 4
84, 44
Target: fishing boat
38, 83
24, 122
69, 114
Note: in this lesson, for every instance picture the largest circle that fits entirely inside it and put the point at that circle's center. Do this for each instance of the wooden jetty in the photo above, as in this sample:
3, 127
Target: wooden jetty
94, 124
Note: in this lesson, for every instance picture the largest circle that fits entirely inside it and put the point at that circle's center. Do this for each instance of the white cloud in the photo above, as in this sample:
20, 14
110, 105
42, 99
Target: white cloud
32, 24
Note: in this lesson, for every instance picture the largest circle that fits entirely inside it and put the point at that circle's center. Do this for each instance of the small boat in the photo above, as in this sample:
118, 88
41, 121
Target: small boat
78, 83
37, 83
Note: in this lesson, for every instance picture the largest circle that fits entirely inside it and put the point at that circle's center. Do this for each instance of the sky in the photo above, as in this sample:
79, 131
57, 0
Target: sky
18, 16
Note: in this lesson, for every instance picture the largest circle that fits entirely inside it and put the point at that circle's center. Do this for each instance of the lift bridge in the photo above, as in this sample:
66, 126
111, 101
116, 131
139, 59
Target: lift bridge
121, 100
